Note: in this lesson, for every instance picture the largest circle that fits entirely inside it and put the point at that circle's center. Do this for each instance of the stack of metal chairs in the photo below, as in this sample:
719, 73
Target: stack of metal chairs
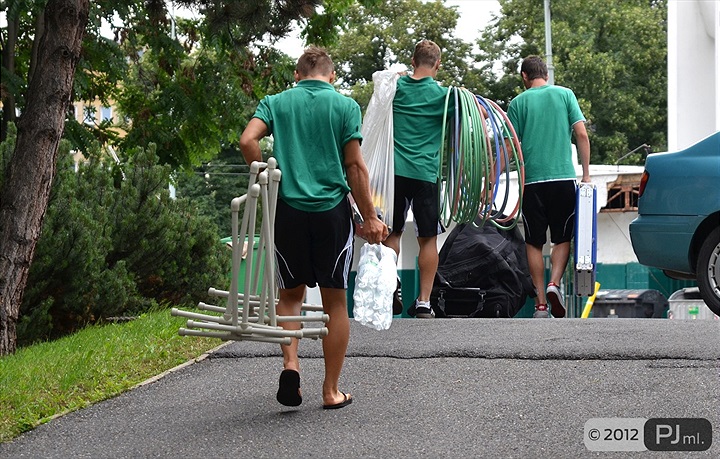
250, 315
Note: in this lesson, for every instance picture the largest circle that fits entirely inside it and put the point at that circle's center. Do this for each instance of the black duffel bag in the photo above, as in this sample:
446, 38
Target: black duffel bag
482, 272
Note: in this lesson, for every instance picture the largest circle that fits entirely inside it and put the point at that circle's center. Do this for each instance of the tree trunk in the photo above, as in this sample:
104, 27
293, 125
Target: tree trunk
30, 174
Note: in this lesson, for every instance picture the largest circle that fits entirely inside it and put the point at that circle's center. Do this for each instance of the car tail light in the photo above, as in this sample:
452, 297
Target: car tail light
643, 181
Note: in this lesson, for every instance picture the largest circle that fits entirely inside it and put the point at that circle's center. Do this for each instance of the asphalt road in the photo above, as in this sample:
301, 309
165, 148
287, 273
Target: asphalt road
454, 388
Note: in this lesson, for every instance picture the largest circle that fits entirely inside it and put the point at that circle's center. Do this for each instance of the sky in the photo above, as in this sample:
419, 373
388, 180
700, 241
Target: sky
474, 16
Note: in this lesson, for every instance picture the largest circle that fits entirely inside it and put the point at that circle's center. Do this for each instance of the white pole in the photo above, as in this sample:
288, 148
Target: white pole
548, 44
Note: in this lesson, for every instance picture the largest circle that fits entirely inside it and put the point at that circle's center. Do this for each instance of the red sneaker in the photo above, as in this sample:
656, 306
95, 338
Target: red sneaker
541, 312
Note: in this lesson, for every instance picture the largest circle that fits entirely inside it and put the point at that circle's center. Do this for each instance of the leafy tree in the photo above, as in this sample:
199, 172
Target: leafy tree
212, 186
192, 106
159, 75
612, 53
192, 84
377, 37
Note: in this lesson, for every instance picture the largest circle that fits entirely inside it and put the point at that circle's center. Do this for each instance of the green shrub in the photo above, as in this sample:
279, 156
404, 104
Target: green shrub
114, 243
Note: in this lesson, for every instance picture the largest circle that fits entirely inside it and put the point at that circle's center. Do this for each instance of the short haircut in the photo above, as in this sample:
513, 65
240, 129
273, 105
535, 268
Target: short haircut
534, 67
427, 53
314, 61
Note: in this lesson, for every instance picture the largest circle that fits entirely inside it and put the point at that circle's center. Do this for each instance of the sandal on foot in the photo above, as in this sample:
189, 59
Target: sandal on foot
346, 401
288, 392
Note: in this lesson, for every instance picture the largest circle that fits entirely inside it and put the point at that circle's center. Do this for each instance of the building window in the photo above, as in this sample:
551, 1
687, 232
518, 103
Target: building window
106, 114
89, 115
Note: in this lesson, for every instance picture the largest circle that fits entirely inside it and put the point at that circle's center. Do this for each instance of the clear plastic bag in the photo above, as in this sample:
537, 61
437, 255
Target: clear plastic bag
374, 286
378, 143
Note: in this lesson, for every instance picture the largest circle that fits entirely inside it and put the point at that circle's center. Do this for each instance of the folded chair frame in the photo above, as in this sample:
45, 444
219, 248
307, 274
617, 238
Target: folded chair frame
251, 315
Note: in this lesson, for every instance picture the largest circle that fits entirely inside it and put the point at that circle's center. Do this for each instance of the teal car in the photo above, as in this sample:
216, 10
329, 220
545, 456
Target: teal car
678, 225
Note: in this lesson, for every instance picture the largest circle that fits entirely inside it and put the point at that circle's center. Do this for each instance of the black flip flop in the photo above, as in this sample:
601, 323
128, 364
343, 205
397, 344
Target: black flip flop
346, 401
289, 389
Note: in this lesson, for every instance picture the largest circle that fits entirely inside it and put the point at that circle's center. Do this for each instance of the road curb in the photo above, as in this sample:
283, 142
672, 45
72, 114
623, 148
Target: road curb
153, 379
200, 358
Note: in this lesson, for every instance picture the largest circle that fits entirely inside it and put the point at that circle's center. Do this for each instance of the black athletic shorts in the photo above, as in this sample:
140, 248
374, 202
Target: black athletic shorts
313, 248
549, 205
422, 196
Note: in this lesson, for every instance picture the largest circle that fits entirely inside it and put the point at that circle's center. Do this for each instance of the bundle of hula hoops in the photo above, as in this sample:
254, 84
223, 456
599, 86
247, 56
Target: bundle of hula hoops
479, 151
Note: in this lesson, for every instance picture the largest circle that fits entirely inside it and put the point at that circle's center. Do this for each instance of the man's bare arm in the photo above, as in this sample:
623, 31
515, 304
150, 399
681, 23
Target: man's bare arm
583, 146
250, 140
373, 230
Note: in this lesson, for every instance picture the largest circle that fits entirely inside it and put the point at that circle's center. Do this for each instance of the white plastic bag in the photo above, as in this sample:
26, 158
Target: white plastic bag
378, 143
374, 286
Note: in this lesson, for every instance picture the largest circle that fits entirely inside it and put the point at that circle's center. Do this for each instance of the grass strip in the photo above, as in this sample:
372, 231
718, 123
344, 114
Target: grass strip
99, 362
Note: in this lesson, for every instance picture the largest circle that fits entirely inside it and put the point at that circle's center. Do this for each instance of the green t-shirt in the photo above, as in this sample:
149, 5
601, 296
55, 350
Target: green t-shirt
543, 118
418, 109
310, 124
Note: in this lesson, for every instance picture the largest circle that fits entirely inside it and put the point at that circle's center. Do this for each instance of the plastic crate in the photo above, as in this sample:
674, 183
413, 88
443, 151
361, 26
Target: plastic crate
687, 304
